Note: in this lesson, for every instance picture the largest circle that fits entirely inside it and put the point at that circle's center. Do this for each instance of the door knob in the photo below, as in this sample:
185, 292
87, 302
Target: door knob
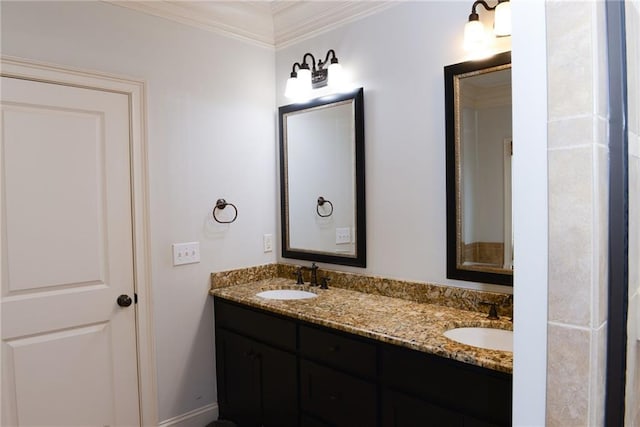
124, 300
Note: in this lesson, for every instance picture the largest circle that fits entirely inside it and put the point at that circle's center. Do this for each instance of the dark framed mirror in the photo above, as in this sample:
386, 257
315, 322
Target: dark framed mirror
478, 168
322, 185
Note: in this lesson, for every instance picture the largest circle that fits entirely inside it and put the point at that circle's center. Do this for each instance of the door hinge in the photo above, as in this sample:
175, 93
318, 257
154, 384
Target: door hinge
135, 298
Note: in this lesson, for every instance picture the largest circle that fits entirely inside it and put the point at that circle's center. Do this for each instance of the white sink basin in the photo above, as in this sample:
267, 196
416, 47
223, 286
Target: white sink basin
286, 294
488, 338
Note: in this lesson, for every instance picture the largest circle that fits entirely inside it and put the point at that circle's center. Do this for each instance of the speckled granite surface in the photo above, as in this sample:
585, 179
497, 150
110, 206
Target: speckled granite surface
410, 324
448, 296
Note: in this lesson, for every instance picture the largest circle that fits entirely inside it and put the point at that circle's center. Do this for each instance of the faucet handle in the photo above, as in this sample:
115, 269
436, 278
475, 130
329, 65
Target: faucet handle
493, 310
324, 281
299, 279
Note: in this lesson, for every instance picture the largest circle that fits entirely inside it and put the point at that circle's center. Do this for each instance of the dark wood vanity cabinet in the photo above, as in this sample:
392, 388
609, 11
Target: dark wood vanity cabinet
277, 371
454, 393
402, 410
337, 377
256, 367
257, 383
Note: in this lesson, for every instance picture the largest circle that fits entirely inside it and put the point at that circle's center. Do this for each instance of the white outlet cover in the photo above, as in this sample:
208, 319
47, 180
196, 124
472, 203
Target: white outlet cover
186, 253
267, 243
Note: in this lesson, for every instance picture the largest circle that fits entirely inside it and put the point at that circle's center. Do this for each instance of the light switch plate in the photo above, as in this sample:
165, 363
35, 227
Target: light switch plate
186, 253
343, 235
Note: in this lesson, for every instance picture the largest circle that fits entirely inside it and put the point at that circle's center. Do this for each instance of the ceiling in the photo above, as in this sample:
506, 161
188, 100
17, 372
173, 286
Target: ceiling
273, 24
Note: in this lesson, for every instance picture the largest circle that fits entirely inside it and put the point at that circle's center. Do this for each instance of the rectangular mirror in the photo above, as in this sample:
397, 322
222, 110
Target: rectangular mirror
322, 180
479, 149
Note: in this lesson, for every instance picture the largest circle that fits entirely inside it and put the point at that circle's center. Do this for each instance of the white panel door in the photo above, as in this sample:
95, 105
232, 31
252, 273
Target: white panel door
68, 347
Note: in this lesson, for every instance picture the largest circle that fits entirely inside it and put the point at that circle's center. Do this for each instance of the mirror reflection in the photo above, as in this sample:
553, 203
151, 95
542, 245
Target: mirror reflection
322, 180
479, 151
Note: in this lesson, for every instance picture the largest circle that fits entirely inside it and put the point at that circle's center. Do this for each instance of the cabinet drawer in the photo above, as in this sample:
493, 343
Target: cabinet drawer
307, 421
338, 350
400, 410
477, 392
256, 324
337, 398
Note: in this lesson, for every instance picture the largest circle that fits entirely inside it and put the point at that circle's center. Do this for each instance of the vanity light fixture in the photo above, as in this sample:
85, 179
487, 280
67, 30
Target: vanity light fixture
305, 77
474, 32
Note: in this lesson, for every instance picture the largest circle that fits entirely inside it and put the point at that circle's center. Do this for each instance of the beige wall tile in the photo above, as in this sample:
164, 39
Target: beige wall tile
569, 58
632, 416
567, 377
634, 224
633, 364
601, 236
598, 371
633, 329
633, 67
565, 133
602, 68
570, 235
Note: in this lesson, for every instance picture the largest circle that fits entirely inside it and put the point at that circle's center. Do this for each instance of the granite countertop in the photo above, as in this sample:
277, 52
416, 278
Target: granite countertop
417, 326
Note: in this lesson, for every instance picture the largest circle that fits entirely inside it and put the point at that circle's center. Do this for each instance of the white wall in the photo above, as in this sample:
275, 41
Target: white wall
494, 125
530, 212
398, 56
211, 134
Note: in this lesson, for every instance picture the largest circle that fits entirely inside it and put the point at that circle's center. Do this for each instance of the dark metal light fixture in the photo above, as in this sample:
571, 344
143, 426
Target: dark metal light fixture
474, 33
306, 76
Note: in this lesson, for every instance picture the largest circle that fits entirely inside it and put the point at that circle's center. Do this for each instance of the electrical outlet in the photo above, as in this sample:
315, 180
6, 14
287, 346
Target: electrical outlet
343, 235
267, 242
186, 253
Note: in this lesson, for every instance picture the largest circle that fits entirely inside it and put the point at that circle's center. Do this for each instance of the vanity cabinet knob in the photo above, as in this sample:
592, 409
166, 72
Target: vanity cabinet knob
335, 397
252, 355
334, 348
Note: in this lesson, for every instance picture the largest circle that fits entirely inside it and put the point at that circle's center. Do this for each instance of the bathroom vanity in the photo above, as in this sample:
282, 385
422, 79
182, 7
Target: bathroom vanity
351, 358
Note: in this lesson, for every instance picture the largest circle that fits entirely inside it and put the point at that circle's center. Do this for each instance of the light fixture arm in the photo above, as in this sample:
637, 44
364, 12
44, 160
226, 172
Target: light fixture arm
294, 74
314, 75
306, 65
474, 15
334, 60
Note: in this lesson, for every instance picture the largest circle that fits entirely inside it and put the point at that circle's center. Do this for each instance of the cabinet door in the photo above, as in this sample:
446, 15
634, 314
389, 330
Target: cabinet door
400, 410
238, 379
480, 393
257, 384
279, 387
337, 398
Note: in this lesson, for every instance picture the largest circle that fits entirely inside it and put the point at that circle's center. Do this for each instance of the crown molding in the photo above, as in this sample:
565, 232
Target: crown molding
246, 21
274, 24
302, 20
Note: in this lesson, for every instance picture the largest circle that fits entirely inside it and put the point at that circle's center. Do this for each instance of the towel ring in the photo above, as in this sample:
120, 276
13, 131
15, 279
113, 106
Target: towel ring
221, 204
321, 202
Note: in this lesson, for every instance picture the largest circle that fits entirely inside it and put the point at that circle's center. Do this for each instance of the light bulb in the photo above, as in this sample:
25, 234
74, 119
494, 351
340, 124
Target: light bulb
304, 79
474, 36
335, 76
292, 90
502, 23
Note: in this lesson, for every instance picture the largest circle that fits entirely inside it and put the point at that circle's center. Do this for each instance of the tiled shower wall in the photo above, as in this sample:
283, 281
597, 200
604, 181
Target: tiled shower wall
632, 11
578, 212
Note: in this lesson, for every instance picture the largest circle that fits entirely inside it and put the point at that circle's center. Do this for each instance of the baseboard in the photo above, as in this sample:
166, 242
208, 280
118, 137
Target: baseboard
199, 417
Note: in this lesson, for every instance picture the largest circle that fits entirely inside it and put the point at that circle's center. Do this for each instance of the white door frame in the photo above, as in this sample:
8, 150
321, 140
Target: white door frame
135, 90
